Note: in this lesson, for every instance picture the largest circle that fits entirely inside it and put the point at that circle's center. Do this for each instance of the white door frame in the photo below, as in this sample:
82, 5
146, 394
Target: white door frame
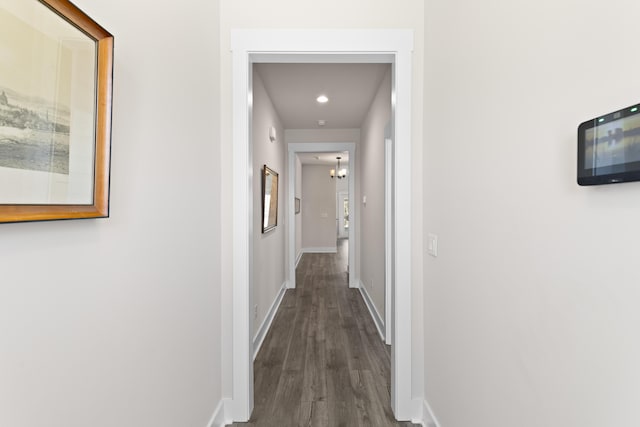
320, 147
366, 46
388, 243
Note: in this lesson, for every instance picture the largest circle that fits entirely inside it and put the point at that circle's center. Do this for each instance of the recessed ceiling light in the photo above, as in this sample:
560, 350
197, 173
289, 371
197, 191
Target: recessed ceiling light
322, 99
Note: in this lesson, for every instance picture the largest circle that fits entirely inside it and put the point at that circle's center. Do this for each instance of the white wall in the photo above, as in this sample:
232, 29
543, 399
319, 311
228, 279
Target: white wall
116, 322
269, 248
371, 177
531, 307
318, 209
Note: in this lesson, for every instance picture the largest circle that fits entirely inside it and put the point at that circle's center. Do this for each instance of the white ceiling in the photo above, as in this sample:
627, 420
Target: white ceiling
293, 89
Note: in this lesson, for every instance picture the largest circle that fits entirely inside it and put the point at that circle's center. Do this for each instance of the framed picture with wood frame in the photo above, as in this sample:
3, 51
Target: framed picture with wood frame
55, 112
269, 199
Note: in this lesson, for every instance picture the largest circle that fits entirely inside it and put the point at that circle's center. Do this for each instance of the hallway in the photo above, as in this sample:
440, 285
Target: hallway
323, 362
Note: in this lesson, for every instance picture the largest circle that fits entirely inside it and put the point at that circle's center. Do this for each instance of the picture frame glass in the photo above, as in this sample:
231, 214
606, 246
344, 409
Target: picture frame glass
269, 199
48, 104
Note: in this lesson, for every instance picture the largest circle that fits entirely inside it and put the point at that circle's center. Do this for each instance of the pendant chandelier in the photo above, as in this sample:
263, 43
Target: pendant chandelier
342, 172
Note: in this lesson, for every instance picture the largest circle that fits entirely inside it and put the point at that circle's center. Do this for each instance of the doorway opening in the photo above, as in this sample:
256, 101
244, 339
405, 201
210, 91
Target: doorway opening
295, 149
342, 214
321, 46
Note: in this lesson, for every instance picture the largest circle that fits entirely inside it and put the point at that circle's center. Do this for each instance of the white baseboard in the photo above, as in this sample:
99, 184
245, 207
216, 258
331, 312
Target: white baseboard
428, 417
372, 309
417, 411
298, 258
321, 250
219, 418
266, 323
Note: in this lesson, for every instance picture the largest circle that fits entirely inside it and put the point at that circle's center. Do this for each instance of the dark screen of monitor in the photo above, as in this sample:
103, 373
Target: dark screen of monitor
609, 148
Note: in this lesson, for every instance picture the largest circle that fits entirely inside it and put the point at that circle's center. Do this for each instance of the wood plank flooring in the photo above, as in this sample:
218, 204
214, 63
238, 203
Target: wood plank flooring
322, 363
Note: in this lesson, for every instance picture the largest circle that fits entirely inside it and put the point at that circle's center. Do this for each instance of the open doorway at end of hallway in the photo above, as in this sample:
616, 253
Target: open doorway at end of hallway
342, 214
321, 224
318, 46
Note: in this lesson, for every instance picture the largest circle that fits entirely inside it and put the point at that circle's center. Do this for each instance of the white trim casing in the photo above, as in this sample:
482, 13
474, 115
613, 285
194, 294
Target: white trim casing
258, 339
242, 402
373, 311
319, 250
388, 236
219, 417
375, 45
401, 335
428, 417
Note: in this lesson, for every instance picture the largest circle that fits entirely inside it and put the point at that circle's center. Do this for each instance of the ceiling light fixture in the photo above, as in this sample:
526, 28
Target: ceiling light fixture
322, 99
342, 173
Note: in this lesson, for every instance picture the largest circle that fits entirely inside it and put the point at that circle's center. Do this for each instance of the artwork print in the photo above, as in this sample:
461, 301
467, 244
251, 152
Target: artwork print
56, 86
47, 93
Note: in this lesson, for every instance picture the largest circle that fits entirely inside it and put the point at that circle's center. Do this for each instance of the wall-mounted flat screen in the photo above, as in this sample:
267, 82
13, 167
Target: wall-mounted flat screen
609, 148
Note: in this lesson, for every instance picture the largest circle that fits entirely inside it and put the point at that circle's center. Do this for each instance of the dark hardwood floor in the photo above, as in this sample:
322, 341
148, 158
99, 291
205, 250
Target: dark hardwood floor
323, 362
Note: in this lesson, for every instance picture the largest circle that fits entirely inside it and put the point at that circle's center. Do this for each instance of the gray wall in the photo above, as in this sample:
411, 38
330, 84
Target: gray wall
269, 248
531, 308
318, 209
115, 322
372, 241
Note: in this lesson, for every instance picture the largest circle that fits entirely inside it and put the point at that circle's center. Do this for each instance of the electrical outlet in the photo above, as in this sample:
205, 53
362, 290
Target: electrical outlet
255, 311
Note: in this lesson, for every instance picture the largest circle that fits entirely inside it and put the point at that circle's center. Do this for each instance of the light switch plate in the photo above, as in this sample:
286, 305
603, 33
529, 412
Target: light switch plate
432, 245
